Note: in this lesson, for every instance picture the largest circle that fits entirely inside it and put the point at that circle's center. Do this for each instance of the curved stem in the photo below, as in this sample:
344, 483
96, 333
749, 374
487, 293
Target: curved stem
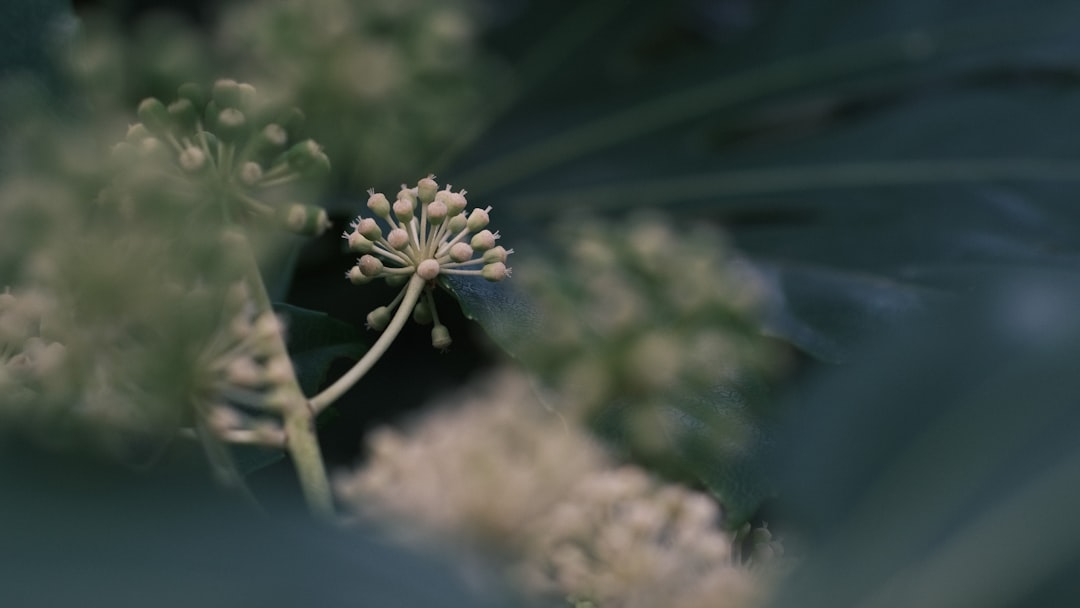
412, 293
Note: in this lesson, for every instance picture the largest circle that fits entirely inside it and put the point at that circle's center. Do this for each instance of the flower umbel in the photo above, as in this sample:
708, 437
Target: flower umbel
431, 233
424, 234
224, 149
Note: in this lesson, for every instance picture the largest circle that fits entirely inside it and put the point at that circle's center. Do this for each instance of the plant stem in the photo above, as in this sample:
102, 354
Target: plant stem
301, 440
412, 293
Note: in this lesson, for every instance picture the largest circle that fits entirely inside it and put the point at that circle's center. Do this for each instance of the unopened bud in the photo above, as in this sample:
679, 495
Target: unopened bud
461, 252
422, 313
428, 269
426, 189
436, 213
250, 173
369, 228
192, 159
483, 240
496, 254
398, 238
154, 115
440, 337
379, 318
370, 266
495, 272
356, 277
378, 204
359, 243
477, 219
403, 209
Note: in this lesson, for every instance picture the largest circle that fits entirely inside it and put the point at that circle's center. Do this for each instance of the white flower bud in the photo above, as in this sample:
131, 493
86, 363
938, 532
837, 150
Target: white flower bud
477, 219
440, 337
250, 173
496, 254
461, 252
456, 202
495, 272
426, 189
436, 213
369, 228
243, 372
378, 204
483, 240
192, 159
356, 277
457, 223
428, 269
359, 243
403, 209
398, 239
370, 266
379, 318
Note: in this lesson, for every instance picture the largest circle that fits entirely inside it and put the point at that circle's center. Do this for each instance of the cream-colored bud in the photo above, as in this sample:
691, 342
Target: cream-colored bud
398, 239
436, 213
483, 240
440, 337
369, 228
477, 220
370, 266
379, 318
250, 173
461, 252
359, 243
426, 189
356, 277
403, 209
428, 269
495, 272
192, 159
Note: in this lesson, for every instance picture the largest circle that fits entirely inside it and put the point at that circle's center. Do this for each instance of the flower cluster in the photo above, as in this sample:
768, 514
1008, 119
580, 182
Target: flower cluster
428, 232
477, 469
245, 380
219, 152
406, 74
624, 539
640, 310
498, 471
32, 364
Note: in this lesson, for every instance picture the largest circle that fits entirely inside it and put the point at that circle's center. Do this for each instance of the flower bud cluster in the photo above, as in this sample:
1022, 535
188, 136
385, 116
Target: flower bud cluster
639, 310
247, 381
426, 232
370, 67
478, 468
624, 539
221, 148
32, 365
494, 469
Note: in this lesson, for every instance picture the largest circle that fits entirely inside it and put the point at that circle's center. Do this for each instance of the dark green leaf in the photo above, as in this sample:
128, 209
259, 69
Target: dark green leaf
82, 533
315, 340
940, 467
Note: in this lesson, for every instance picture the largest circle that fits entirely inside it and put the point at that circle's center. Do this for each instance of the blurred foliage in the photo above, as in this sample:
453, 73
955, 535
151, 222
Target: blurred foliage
82, 532
941, 468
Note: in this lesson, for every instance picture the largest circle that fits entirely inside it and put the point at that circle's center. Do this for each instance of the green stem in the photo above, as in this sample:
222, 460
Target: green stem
301, 440
337, 389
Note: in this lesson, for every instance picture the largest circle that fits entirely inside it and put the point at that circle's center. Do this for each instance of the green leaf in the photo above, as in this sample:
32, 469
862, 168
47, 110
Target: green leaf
504, 312
868, 158
940, 467
83, 533
315, 340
